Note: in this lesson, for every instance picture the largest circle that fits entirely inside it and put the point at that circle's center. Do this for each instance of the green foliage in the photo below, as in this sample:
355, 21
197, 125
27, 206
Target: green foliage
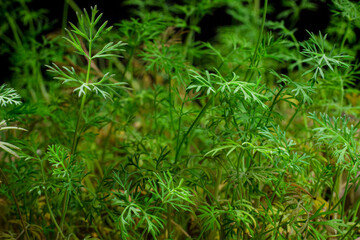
338, 136
87, 30
316, 56
132, 209
8, 96
251, 134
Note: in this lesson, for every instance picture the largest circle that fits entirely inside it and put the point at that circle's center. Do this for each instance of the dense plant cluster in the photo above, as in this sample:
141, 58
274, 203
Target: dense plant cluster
140, 131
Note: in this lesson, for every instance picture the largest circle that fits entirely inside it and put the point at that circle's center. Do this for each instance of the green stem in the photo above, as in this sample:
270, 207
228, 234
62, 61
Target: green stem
106, 141
65, 15
190, 37
293, 116
344, 36
73, 5
52, 215
47, 199
171, 106
257, 43
308, 135
132, 50
76, 138
276, 188
65, 204
272, 106
13, 27
180, 119
342, 92
256, 7
349, 231
38, 76
274, 102
340, 200
333, 187
292, 36
16, 203
344, 197
357, 125
357, 204
203, 110
95, 225
155, 113
8, 41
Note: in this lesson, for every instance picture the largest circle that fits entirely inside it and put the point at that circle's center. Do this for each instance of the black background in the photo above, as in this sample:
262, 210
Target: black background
115, 11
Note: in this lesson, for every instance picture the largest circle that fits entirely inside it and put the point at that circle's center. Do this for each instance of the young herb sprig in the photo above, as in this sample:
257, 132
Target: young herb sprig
90, 33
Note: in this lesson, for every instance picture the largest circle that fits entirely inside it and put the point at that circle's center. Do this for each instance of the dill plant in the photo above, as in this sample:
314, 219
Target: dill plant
87, 31
252, 135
